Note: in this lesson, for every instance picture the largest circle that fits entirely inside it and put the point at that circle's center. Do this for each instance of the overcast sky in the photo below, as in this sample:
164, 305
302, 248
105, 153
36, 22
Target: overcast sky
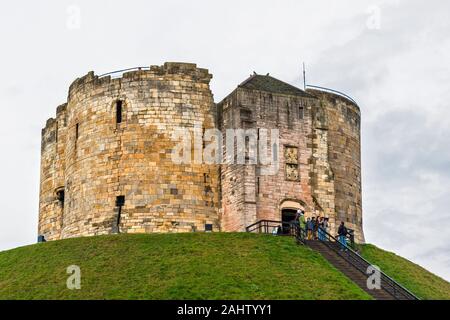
391, 56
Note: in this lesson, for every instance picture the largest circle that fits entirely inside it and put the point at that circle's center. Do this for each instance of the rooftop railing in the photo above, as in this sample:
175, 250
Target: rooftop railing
332, 91
117, 72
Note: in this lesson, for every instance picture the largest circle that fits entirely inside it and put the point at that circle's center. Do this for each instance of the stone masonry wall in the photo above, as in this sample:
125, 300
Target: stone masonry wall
89, 159
52, 175
344, 158
105, 159
322, 177
248, 195
232, 175
327, 140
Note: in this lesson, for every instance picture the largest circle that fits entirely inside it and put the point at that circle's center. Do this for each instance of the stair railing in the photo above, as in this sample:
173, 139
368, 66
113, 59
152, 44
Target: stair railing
387, 283
344, 250
275, 227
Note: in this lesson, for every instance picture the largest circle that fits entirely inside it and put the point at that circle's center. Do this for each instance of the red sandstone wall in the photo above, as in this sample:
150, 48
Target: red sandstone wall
246, 201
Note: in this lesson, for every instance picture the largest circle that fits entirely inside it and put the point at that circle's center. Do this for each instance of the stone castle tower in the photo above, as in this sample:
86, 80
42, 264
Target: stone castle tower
107, 166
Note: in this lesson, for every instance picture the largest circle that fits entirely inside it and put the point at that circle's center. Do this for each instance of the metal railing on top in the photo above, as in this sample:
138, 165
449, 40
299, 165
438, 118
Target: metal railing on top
332, 91
123, 71
344, 250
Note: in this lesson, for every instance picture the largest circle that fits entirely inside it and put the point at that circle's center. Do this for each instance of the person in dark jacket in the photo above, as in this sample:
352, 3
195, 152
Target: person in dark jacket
279, 230
309, 229
342, 233
315, 227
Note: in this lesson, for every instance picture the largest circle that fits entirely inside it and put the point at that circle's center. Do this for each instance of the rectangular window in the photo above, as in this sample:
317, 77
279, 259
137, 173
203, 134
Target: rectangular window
203, 138
120, 201
119, 111
258, 185
56, 133
288, 111
246, 115
60, 197
77, 133
301, 113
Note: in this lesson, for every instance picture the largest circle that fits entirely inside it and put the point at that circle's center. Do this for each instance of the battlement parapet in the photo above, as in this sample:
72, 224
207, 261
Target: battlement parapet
186, 71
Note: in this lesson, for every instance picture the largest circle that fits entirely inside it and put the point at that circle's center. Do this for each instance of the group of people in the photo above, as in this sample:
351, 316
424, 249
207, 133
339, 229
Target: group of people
316, 228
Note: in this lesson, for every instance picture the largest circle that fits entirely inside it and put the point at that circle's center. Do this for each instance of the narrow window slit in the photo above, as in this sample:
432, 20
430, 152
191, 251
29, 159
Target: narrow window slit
77, 134
301, 113
119, 111
120, 202
60, 197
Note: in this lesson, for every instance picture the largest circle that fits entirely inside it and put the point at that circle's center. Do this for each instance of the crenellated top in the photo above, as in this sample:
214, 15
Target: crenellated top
49, 124
185, 70
60, 111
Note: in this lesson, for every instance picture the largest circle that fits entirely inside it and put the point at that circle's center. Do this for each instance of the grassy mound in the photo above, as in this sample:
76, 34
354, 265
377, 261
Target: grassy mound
421, 282
173, 266
191, 266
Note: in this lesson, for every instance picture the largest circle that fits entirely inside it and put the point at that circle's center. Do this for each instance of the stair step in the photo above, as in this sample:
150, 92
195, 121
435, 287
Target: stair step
347, 269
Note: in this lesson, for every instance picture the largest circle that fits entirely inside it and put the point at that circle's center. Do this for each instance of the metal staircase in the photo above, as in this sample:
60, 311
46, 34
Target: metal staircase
342, 256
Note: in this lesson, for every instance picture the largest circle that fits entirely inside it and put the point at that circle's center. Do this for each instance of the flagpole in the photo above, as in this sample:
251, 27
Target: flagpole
304, 77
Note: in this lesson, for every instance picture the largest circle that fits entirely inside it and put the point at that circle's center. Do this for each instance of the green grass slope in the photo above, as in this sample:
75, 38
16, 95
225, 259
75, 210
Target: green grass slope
412, 276
195, 266
173, 266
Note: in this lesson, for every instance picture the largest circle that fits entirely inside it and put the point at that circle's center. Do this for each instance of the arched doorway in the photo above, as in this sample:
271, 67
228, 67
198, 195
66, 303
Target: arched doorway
289, 210
287, 217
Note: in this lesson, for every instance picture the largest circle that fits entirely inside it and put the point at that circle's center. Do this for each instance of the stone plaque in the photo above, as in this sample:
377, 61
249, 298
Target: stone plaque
291, 155
291, 161
292, 172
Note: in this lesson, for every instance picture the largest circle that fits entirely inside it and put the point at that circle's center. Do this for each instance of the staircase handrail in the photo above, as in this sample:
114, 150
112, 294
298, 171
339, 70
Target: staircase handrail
395, 286
351, 256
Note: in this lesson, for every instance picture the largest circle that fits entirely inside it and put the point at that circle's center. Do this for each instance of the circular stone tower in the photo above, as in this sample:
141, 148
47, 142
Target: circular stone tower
338, 133
107, 158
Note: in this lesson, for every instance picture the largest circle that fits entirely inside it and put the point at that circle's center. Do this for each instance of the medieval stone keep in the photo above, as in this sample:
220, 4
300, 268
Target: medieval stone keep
107, 157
